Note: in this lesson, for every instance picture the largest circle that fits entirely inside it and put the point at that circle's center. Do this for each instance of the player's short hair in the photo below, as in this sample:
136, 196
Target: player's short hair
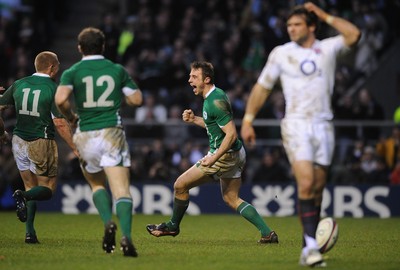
44, 60
91, 40
206, 67
310, 17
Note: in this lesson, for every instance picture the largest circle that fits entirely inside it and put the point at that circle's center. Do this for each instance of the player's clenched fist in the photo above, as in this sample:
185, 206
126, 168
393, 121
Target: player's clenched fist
188, 116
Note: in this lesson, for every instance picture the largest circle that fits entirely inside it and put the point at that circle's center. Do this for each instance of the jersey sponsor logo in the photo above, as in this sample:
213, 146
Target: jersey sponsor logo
205, 115
308, 67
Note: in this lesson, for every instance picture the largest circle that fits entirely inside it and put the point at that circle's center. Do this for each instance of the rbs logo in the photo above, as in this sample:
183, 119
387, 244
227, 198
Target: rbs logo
269, 200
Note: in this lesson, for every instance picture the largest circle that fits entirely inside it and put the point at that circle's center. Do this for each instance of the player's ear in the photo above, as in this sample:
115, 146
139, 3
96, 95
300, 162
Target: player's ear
207, 80
313, 28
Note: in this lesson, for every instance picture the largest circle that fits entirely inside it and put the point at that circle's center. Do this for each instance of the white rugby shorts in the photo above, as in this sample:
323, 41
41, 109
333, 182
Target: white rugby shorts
309, 140
102, 148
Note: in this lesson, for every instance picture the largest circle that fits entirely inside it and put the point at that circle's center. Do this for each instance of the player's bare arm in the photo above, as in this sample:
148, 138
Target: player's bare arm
64, 130
256, 100
135, 98
226, 144
63, 104
349, 31
189, 117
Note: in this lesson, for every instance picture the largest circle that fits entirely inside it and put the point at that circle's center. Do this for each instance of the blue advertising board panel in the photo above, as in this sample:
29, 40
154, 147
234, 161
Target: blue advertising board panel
270, 200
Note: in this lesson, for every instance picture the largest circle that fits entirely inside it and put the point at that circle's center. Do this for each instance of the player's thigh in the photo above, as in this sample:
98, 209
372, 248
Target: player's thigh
96, 180
118, 180
193, 177
297, 139
325, 143
29, 179
230, 187
89, 146
50, 182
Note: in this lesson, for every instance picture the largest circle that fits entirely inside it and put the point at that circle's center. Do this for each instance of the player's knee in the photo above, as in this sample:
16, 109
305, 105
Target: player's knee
306, 188
230, 200
180, 187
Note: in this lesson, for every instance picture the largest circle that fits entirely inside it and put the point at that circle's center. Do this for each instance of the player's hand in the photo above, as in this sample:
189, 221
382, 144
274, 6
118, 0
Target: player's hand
208, 160
188, 116
248, 134
73, 121
311, 7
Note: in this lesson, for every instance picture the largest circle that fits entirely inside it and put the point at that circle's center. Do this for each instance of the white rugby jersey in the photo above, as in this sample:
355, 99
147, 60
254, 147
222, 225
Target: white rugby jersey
307, 76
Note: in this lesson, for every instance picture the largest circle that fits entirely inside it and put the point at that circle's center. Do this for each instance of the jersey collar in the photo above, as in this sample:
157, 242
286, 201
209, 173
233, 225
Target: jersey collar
209, 92
93, 57
40, 74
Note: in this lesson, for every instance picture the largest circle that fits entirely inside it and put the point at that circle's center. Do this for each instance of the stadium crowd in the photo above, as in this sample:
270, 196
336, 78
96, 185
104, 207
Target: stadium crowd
156, 42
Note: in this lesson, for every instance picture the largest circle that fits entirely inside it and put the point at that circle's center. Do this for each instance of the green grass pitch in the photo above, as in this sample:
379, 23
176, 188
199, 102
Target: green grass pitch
205, 242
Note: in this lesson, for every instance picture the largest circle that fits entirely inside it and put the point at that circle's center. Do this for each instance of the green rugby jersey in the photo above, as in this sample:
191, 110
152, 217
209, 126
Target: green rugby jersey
33, 98
97, 85
217, 112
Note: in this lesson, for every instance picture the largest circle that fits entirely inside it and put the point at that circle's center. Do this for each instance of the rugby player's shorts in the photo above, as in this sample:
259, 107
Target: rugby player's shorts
229, 165
102, 148
39, 156
310, 140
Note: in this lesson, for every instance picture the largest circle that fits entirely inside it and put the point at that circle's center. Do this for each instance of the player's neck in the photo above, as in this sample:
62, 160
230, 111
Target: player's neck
207, 90
308, 43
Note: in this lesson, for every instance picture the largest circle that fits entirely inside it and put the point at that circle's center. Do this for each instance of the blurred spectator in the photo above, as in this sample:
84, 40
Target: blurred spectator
159, 171
395, 175
367, 108
237, 101
151, 110
271, 170
389, 148
368, 159
345, 135
273, 109
380, 175
374, 35
127, 36
71, 169
112, 32
176, 133
196, 152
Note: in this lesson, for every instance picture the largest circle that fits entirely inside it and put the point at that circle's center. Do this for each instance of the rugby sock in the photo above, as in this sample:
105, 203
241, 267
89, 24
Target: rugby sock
103, 203
318, 213
178, 212
309, 217
124, 213
248, 211
31, 211
38, 193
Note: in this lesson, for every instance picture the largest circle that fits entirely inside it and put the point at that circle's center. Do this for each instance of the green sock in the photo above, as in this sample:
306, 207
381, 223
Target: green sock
124, 213
247, 211
103, 203
38, 193
31, 209
178, 212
